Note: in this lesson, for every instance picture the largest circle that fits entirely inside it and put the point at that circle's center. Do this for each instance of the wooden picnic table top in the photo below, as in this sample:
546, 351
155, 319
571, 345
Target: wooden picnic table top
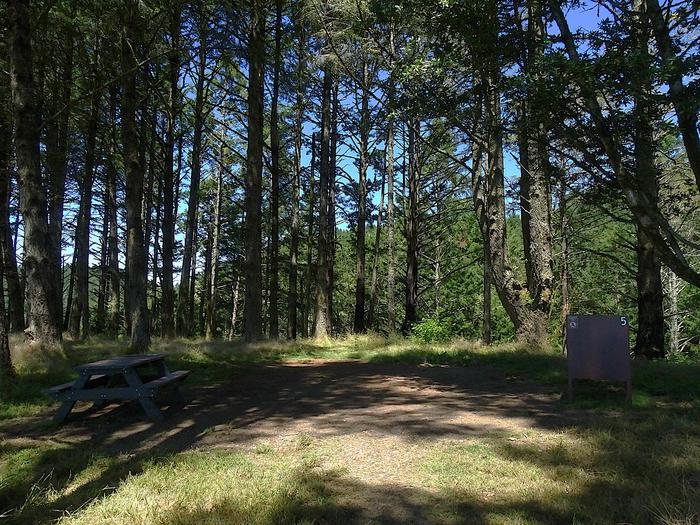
120, 362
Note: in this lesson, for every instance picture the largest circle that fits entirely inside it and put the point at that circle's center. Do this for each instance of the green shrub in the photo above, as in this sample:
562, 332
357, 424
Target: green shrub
432, 331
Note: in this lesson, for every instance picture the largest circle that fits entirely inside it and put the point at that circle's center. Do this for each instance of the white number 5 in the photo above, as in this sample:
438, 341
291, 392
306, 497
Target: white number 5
623, 321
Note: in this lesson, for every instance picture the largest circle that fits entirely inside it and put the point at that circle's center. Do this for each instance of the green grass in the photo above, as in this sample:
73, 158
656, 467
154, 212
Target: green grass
635, 462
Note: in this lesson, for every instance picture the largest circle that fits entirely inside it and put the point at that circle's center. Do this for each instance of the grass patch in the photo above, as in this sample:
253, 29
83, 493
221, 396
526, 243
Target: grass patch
619, 473
215, 487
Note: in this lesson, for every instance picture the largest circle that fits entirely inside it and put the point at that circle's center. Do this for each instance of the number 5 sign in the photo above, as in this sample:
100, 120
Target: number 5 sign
597, 347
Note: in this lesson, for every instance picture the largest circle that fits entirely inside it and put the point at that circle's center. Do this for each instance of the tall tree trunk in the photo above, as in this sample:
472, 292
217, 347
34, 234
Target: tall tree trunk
564, 271
15, 296
292, 295
113, 233
373, 294
205, 295
101, 311
359, 320
39, 267
413, 181
685, 101
80, 308
275, 178
213, 291
193, 280
488, 190
391, 265
253, 177
57, 132
234, 309
69, 294
540, 278
169, 207
146, 142
333, 165
136, 255
7, 370
156, 275
535, 193
489, 202
524, 191
309, 241
185, 315
322, 323
674, 319
486, 307
651, 326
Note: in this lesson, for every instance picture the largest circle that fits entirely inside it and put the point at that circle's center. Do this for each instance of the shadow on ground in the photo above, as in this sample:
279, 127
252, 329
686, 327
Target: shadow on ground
330, 399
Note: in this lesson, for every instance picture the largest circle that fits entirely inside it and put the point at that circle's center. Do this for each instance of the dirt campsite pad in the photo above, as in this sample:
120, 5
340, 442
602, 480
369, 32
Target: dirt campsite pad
329, 442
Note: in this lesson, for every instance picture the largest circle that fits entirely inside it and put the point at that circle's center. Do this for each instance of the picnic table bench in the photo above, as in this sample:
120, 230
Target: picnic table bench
141, 377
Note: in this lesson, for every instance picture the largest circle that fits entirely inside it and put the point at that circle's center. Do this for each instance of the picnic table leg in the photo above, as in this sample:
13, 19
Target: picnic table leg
151, 409
63, 411
68, 405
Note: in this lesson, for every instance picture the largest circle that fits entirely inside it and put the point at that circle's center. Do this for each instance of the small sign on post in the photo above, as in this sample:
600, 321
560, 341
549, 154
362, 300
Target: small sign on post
598, 347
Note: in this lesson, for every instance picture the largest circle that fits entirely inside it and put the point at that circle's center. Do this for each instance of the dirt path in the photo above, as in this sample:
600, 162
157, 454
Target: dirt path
372, 422
318, 399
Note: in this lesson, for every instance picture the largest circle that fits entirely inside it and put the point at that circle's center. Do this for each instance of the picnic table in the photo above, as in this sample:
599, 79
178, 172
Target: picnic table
141, 377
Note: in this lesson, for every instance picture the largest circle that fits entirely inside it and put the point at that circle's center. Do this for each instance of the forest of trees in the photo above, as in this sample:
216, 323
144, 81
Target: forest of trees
305, 168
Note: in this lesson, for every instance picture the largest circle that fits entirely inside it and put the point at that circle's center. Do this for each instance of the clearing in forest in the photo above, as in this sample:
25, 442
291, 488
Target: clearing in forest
409, 434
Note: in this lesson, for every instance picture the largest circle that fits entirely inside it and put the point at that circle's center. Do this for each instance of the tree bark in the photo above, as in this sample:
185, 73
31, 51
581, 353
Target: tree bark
309, 239
212, 328
205, 295
169, 206
373, 295
275, 178
651, 326
57, 132
322, 322
413, 181
136, 254
674, 314
535, 195
156, 275
360, 249
292, 295
486, 307
80, 308
253, 178
541, 262
15, 297
185, 314
113, 233
488, 191
39, 267
101, 311
234, 309
333, 168
564, 272
7, 370
391, 272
